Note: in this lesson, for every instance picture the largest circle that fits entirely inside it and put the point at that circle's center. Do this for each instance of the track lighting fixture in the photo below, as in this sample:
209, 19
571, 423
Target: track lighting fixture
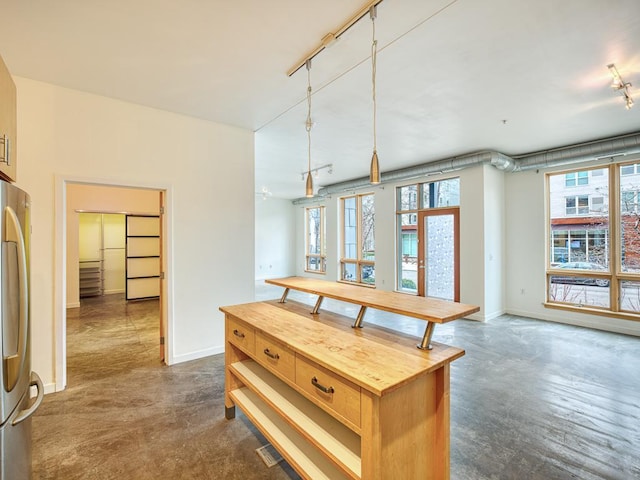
264, 193
316, 170
620, 85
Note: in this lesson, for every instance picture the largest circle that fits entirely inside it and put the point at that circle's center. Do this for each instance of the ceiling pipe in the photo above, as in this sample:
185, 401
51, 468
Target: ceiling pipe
605, 148
431, 168
583, 152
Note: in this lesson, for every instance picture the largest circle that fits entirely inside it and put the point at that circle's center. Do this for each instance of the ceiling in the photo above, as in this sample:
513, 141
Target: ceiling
453, 76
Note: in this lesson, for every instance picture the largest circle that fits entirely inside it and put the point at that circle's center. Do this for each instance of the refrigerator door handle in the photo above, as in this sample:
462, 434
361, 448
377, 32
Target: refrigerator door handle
13, 364
24, 414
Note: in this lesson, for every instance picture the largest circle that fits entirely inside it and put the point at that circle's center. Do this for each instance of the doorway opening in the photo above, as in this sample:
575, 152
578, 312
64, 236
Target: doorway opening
439, 253
96, 269
428, 235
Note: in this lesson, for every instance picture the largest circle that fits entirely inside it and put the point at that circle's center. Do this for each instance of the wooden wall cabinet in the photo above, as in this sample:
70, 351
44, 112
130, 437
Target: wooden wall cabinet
8, 125
339, 402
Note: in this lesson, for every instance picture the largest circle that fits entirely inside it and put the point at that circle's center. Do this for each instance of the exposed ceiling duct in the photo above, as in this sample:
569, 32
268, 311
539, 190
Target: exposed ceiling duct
605, 148
583, 152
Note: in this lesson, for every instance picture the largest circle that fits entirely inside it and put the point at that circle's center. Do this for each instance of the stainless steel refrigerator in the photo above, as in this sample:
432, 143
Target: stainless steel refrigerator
16, 377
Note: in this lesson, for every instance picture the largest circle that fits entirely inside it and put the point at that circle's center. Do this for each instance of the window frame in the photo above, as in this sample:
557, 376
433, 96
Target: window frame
425, 203
321, 257
618, 274
357, 262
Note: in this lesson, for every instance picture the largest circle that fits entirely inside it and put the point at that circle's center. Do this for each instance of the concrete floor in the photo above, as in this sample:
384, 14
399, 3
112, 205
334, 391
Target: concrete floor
529, 400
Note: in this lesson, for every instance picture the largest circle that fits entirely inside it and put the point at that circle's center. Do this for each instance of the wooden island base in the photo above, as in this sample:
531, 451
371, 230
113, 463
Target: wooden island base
337, 402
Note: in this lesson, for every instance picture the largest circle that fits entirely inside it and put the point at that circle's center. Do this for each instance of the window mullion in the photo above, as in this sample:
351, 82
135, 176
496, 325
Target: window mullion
615, 251
358, 237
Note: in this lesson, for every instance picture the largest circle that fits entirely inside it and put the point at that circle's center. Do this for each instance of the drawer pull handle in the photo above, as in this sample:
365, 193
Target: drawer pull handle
238, 334
275, 356
314, 382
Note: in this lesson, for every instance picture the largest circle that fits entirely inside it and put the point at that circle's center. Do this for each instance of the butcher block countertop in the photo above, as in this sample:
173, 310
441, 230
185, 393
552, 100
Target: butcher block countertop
360, 355
425, 308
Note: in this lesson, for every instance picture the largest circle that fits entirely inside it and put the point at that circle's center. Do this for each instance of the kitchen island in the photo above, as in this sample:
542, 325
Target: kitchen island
339, 402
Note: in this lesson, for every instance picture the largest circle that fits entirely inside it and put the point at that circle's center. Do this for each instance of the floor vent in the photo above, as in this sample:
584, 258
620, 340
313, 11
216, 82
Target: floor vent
269, 455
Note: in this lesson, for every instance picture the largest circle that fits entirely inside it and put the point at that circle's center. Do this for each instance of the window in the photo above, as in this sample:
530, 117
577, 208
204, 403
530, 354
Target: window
440, 194
630, 169
576, 178
578, 244
577, 205
597, 204
357, 263
315, 259
445, 193
583, 245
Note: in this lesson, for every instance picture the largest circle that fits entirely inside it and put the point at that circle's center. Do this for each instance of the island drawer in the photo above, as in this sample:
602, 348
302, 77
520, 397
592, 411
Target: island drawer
241, 335
329, 389
275, 356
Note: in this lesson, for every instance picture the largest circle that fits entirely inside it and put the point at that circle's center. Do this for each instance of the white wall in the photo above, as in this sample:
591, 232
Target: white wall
385, 236
472, 238
494, 238
525, 282
114, 231
70, 134
275, 238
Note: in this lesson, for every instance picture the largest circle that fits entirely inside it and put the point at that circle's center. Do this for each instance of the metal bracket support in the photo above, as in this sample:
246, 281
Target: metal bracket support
426, 340
283, 299
317, 307
358, 323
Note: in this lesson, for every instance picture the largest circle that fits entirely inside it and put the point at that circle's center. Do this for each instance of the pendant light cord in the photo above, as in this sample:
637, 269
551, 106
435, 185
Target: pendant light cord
308, 124
374, 58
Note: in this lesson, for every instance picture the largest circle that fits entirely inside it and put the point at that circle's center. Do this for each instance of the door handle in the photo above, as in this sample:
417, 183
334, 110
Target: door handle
13, 364
23, 415
6, 150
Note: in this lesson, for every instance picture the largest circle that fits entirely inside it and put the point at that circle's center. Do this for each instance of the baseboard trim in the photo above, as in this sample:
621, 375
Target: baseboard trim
73, 305
48, 388
606, 325
493, 315
186, 357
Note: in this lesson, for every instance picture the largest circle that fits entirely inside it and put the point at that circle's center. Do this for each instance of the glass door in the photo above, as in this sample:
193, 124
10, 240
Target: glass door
438, 255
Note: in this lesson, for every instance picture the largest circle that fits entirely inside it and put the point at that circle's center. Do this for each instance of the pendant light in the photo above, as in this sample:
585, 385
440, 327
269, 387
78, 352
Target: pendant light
308, 124
374, 171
